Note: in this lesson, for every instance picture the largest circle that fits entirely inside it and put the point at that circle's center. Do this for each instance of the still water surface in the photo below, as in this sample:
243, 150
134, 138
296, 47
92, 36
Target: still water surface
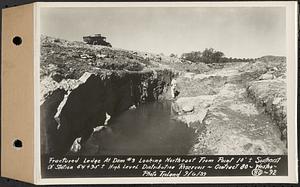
147, 130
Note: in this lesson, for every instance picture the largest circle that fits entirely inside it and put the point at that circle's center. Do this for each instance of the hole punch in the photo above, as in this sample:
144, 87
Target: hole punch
18, 144
17, 40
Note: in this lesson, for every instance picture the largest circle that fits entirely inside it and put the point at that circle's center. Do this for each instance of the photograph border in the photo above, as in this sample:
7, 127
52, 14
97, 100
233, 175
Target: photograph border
292, 66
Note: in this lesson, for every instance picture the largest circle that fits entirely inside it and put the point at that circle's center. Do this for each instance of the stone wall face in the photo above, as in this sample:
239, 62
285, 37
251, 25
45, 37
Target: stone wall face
71, 112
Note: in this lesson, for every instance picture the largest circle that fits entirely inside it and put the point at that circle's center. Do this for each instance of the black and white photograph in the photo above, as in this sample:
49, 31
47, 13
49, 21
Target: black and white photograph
163, 82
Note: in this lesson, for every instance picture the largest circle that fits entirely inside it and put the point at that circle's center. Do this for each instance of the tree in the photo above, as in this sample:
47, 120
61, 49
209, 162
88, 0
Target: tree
209, 55
212, 56
173, 55
194, 56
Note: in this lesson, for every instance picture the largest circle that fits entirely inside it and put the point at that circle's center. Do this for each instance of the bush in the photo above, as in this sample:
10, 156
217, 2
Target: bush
173, 55
208, 56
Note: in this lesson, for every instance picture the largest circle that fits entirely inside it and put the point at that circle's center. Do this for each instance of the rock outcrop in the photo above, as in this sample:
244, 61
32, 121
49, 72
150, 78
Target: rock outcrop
271, 96
192, 109
267, 87
265, 68
233, 111
239, 108
81, 84
68, 113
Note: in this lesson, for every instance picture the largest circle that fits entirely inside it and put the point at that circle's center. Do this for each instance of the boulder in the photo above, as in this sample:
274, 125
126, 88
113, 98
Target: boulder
188, 108
266, 76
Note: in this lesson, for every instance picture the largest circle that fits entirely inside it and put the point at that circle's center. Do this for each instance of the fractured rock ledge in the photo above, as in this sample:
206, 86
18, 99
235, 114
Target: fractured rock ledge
271, 95
226, 115
73, 108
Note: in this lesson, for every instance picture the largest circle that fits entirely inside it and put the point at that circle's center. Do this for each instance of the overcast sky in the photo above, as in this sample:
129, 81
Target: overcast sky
238, 32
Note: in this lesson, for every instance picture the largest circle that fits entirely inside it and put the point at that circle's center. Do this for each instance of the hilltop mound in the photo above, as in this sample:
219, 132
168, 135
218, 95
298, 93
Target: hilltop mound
63, 59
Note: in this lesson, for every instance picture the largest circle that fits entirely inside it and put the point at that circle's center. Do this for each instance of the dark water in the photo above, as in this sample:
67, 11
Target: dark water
146, 130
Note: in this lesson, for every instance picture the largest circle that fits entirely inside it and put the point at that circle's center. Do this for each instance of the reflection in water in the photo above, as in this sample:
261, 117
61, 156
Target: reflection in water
147, 130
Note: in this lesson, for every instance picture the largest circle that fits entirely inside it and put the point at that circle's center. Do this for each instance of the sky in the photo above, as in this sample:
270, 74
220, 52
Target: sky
245, 32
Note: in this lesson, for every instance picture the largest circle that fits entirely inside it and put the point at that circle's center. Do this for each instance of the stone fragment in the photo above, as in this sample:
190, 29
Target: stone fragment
76, 147
266, 76
188, 108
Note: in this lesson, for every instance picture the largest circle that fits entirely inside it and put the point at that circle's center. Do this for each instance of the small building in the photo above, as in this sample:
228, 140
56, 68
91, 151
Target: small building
97, 39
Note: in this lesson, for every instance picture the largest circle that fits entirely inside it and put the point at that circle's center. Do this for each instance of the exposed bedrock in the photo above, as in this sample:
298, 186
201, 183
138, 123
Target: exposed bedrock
73, 112
232, 112
48, 123
271, 96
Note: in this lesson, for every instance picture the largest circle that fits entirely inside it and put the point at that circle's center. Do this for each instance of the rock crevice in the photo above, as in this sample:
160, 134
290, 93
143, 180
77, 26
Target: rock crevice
68, 113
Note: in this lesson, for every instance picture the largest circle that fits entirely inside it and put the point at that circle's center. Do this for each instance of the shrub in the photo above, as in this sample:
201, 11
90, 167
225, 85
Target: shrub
208, 56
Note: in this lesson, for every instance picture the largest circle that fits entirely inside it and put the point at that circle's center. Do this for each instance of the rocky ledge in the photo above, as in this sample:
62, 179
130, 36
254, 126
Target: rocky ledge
82, 85
240, 108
